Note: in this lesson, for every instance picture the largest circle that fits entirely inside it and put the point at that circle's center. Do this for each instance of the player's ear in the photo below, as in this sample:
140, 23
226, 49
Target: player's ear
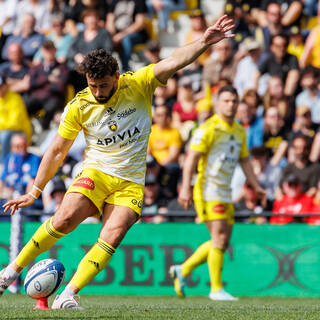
117, 75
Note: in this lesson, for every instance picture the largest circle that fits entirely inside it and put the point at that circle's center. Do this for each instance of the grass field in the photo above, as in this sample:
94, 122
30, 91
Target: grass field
132, 307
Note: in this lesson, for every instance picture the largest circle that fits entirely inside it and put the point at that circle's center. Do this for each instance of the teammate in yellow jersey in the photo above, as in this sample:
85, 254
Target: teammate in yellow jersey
216, 146
114, 112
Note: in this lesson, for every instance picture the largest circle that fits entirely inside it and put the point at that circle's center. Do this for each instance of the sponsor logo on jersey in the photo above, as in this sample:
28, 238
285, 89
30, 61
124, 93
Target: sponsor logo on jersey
137, 203
85, 182
128, 134
84, 106
219, 208
126, 113
112, 125
109, 112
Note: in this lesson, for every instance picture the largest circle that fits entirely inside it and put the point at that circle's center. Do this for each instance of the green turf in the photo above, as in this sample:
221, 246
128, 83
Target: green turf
133, 307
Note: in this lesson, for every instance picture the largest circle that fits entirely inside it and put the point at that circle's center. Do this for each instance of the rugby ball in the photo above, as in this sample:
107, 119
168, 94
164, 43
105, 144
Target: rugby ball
44, 278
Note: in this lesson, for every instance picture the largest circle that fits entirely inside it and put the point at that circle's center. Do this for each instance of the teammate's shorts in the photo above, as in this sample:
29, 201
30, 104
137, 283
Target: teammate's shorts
100, 187
214, 210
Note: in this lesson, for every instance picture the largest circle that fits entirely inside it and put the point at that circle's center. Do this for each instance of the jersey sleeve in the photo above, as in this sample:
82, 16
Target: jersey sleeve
146, 80
199, 140
244, 152
70, 121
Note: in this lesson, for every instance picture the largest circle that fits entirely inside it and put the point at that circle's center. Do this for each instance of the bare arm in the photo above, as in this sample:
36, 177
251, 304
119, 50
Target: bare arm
49, 165
292, 13
172, 156
256, 79
185, 194
291, 82
251, 177
307, 49
110, 23
183, 56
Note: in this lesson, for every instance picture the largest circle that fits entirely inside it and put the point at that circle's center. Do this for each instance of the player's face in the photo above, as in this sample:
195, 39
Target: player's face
227, 105
103, 89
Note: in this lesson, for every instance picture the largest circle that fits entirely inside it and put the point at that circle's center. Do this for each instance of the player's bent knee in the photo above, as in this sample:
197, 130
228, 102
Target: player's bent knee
64, 223
113, 235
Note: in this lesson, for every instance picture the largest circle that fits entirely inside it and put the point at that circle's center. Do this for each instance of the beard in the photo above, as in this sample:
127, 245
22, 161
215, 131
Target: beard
105, 99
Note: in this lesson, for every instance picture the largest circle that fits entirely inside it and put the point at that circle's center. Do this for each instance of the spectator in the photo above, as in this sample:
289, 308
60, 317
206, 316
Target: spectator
247, 67
220, 64
275, 135
280, 63
126, 24
252, 203
75, 9
291, 12
296, 43
14, 118
275, 97
8, 15
294, 201
163, 8
20, 167
268, 175
39, 9
16, 69
165, 145
310, 95
253, 100
47, 85
61, 40
93, 37
272, 26
152, 52
184, 114
154, 204
29, 39
252, 124
303, 124
301, 166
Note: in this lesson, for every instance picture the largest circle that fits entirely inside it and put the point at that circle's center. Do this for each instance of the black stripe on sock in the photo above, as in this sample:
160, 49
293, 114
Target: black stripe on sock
51, 231
106, 248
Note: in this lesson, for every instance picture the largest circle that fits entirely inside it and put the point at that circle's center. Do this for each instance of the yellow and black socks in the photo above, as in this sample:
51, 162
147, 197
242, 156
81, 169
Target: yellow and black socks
198, 257
215, 264
43, 239
92, 263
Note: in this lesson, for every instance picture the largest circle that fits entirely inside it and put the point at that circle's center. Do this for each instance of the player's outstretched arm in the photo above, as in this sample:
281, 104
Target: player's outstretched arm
49, 165
185, 55
185, 194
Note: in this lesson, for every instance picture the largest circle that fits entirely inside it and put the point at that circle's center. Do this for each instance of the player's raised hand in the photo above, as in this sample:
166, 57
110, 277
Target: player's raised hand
219, 30
20, 202
185, 198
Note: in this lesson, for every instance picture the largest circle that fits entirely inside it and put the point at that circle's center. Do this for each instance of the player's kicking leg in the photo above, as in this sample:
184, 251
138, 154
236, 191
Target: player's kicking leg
117, 220
74, 209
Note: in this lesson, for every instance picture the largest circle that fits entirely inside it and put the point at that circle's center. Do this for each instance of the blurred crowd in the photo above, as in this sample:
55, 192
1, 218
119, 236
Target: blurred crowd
273, 62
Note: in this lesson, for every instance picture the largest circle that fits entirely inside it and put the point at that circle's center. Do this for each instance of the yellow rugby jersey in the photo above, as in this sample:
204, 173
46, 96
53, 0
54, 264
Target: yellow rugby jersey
222, 146
116, 132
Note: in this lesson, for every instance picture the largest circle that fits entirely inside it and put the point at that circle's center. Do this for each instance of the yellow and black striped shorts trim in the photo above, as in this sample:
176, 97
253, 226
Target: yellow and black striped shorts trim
51, 230
106, 247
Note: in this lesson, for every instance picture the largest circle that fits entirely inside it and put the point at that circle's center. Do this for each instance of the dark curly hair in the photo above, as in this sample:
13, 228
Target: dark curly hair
98, 64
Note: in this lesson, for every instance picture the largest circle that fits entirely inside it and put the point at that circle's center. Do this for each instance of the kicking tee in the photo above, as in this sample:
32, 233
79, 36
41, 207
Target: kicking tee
116, 132
222, 146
